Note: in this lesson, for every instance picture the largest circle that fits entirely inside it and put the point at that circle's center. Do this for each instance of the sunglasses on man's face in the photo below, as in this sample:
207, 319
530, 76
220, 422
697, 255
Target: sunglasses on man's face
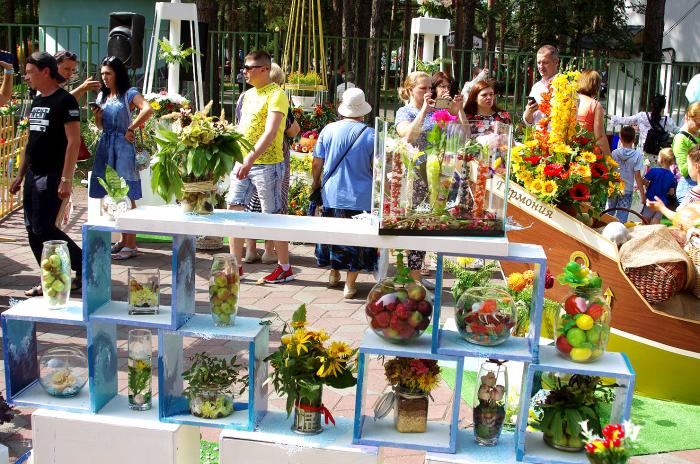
249, 67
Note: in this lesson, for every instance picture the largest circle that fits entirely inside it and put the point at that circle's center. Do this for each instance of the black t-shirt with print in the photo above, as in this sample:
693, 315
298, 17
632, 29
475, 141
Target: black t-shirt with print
46, 147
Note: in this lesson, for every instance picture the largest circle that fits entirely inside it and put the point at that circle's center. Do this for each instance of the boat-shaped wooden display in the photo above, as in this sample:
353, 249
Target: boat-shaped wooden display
662, 341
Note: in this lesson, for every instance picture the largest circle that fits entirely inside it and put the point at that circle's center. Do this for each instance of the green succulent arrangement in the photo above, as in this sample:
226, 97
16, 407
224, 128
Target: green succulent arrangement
208, 373
115, 186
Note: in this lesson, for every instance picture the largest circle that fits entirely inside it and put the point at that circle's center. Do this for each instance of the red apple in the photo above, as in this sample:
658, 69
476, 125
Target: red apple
595, 311
411, 305
575, 305
415, 319
423, 324
391, 307
402, 312
382, 320
563, 344
416, 293
395, 322
425, 308
406, 331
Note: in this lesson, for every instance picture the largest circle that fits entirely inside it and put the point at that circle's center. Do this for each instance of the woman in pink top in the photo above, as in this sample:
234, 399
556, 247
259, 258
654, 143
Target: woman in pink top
590, 112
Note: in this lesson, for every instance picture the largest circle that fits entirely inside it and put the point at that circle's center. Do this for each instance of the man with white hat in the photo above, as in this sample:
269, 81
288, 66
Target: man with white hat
342, 169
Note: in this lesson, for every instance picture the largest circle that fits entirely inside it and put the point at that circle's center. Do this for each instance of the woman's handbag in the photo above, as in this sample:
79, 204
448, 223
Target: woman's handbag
143, 158
83, 151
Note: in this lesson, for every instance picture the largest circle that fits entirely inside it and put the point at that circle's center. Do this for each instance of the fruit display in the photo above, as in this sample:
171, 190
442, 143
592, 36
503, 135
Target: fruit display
490, 402
224, 286
144, 291
582, 328
55, 273
307, 142
485, 315
63, 371
399, 309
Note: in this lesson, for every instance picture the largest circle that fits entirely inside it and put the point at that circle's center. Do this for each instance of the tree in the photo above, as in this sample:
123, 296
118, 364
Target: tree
207, 13
348, 25
652, 43
465, 11
375, 32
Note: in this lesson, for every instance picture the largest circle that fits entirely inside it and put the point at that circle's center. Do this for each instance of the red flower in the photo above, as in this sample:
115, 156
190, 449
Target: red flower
418, 367
533, 159
581, 140
553, 170
579, 192
599, 170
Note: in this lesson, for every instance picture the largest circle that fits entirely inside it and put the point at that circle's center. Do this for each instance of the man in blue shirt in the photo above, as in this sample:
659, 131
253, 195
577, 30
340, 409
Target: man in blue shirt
342, 167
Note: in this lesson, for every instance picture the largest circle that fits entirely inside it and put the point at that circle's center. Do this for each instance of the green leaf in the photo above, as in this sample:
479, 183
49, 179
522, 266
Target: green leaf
300, 314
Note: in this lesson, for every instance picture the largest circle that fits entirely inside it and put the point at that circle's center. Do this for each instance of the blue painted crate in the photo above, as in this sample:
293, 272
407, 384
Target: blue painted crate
21, 357
469, 452
446, 338
439, 436
97, 276
173, 405
529, 445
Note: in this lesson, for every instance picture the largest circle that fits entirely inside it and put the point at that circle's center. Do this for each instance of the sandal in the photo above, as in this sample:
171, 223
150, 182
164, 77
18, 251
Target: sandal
117, 247
34, 291
125, 253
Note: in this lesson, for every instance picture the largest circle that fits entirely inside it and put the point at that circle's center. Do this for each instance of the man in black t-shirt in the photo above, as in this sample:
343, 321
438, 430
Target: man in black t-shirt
49, 160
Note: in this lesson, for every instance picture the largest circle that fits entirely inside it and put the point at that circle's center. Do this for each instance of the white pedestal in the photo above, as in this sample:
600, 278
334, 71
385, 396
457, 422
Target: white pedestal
279, 445
115, 436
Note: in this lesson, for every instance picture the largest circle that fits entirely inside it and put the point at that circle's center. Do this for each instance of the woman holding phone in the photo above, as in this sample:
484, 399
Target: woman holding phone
481, 104
112, 110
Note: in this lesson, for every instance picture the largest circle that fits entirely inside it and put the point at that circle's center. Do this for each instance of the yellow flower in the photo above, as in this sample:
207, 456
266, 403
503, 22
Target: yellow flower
427, 382
550, 188
155, 105
611, 161
562, 148
529, 276
516, 282
621, 187
581, 170
339, 350
535, 186
531, 143
298, 325
286, 339
465, 261
329, 366
300, 338
588, 157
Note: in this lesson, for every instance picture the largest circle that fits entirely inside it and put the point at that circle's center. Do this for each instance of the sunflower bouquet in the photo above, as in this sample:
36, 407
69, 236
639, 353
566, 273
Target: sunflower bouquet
305, 362
559, 161
412, 374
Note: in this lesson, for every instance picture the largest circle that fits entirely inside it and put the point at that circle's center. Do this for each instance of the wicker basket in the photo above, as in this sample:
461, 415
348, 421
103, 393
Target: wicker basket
204, 242
658, 282
693, 250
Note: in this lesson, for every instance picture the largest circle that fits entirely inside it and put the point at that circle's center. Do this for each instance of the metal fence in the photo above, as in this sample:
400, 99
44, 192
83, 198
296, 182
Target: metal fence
12, 142
516, 71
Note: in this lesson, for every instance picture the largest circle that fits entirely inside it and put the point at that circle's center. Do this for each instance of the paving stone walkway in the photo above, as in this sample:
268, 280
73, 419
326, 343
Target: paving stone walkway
342, 319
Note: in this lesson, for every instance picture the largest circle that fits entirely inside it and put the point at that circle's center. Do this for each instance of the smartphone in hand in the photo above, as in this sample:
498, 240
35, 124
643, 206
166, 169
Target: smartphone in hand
94, 106
532, 101
443, 103
7, 57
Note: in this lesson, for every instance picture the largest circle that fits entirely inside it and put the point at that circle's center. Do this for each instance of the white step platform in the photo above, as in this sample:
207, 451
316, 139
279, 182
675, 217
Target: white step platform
116, 435
277, 444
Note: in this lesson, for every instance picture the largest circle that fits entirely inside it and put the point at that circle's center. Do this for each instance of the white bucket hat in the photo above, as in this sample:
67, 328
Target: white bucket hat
354, 104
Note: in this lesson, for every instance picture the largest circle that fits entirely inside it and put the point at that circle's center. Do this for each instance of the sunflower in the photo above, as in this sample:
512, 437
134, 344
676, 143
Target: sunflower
329, 366
588, 157
549, 188
339, 350
580, 170
301, 337
535, 186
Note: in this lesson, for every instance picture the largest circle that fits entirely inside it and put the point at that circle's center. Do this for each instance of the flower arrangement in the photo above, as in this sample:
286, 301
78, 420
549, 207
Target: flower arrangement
520, 286
209, 379
164, 103
317, 119
304, 362
174, 54
435, 8
299, 191
615, 444
198, 148
559, 162
416, 375
299, 79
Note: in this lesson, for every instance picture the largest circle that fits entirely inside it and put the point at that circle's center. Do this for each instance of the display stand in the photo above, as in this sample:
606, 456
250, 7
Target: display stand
100, 315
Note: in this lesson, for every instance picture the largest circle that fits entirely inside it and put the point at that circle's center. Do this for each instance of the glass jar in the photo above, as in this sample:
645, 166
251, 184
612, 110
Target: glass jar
198, 197
490, 400
144, 291
63, 371
224, 287
307, 414
410, 411
139, 367
582, 328
55, 273
485, 315
115, 207
398, 312
211, 404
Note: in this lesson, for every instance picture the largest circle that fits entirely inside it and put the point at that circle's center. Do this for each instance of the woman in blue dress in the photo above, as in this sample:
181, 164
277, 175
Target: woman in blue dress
116, 147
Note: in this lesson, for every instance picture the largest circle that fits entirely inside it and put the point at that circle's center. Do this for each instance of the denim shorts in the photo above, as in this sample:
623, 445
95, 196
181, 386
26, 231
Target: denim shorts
266, 180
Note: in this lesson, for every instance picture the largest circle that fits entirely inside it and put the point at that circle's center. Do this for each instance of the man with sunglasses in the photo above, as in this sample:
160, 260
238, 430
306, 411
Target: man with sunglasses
264, 108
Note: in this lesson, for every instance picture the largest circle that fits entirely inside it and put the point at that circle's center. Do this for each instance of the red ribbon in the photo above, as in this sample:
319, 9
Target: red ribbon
322, 409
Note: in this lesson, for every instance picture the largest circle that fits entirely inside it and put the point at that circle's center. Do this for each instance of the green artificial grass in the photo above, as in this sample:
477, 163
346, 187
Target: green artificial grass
666, 426
208, 452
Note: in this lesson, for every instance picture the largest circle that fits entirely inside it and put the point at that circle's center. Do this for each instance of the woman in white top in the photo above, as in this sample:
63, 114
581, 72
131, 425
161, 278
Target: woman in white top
644, 119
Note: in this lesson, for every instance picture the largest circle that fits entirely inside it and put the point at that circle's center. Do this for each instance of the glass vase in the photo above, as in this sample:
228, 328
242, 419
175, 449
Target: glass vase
139, 366
440, 168
211, 404
55, 273
485, 315
224, 287
582, 328
307, 414
490, 400
410, 411
398, 312
144, 291
198, 197
63, 371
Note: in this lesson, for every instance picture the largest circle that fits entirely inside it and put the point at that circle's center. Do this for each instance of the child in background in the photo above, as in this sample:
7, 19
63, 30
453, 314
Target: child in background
660, 183
631, 167
693, 195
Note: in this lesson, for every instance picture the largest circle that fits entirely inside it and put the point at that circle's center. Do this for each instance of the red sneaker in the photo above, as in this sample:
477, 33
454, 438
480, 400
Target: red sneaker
240, 271
279, 275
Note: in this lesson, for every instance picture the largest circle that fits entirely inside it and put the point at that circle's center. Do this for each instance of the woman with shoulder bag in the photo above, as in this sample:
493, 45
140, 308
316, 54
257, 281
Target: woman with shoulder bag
342, 168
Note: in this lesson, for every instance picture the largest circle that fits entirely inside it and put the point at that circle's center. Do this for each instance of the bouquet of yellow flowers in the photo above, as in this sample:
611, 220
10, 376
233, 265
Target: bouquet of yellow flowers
304, 362
418, 375
559, 161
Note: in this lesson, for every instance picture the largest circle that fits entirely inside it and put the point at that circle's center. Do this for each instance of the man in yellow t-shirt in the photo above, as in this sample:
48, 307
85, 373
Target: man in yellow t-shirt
264, 108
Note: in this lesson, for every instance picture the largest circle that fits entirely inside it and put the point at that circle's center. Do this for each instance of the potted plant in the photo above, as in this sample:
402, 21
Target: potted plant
194, 154
116, 202
565, 407
302, 365
211, 383
614, 447
411, 380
